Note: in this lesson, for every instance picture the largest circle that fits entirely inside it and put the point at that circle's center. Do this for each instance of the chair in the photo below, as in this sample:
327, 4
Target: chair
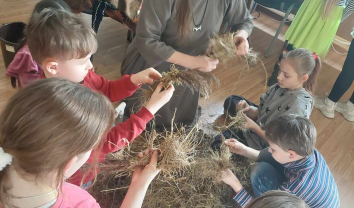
285, 6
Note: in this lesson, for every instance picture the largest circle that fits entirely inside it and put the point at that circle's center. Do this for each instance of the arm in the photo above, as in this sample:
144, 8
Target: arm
125, 132
141, 180
252, 125
242, 197
241, 149
348, 10
114, 90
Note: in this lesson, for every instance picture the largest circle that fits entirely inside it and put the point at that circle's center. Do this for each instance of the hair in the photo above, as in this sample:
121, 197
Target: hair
304, 62
292, 132
59, 35
328, 6
49, 122
278, 199
183, 17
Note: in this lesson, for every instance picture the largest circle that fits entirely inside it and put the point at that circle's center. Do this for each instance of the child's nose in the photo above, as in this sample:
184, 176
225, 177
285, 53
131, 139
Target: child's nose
89, 66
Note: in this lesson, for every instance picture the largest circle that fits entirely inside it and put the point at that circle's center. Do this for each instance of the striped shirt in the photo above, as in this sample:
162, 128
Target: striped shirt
310, 179
348, 7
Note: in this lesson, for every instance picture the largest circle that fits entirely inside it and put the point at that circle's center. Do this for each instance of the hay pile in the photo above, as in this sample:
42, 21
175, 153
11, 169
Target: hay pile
224, 49
193, 79
227, 121
197, 184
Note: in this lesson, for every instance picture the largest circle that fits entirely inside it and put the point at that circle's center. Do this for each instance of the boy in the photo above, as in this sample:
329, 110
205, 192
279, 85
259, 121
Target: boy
292, 164
62, 44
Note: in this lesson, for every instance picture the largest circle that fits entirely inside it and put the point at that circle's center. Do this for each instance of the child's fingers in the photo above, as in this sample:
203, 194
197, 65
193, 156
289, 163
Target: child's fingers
154, 74
153, 160
140, 154
158, 88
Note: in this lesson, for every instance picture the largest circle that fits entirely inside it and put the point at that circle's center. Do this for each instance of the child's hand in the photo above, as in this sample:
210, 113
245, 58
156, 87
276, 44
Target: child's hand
249, 123
145, 77
235, 146
144, 175
159, 98
230, 179
242, 105
205, 64
242, 45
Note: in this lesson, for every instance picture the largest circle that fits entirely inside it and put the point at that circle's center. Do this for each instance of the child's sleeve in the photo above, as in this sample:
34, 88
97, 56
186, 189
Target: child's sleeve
124, 133
265, 96
115, 90
243, 197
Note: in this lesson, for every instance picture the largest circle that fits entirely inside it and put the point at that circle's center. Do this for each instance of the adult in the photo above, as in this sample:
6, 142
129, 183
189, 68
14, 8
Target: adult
179, 32
345, 79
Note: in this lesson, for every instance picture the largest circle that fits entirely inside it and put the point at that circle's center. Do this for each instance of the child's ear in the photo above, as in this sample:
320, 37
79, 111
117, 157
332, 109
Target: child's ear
292, 154
304, 77
51, 67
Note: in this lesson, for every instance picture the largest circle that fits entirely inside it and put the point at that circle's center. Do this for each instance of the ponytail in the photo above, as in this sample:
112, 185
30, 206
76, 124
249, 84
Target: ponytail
305, 62
310, 84
183, 18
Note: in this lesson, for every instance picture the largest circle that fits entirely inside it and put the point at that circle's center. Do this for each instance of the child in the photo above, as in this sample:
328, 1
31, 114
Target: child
62, 44
277, 199
48, 131
23, 69
291, 95
292, 164
314, 27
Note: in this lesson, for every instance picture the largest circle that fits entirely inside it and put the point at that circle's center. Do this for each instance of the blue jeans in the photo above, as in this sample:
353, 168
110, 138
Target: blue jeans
267, 175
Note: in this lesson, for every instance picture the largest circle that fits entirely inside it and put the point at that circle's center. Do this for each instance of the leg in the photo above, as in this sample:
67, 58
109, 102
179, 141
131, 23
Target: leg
264, 177
345, 78
231, 102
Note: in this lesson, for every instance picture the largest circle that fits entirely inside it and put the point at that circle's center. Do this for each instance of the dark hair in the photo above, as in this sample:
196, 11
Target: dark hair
305, 62
48, 123
60, 35
183, 17
277, 199
291, 132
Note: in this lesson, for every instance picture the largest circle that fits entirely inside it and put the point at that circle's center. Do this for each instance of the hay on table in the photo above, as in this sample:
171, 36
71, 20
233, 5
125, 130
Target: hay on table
224, 49
195, 80
197, 184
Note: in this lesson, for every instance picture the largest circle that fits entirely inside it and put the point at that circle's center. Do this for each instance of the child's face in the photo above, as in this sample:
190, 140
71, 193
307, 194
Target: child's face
288, 77
74, 70
280, 155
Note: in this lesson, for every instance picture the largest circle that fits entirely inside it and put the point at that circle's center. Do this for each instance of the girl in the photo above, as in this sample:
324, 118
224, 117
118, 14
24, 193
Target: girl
314, 27
291, 95
179, 32
48, 131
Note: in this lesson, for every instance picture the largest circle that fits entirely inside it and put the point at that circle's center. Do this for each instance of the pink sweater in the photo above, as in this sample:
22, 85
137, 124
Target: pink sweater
24, 68
74, 197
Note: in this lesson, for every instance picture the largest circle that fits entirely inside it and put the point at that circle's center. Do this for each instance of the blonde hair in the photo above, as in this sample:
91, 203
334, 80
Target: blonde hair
60, 35
48, 123
328, 6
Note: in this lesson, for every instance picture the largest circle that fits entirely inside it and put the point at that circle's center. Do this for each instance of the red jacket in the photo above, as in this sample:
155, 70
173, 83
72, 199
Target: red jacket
115, 90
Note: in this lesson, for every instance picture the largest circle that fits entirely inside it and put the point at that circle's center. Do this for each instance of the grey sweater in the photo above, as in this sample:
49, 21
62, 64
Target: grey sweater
276, 102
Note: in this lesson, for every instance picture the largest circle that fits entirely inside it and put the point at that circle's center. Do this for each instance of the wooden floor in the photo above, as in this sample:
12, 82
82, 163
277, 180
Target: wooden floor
335, 136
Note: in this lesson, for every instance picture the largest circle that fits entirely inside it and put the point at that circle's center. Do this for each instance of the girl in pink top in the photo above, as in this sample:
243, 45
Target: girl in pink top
48, 131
